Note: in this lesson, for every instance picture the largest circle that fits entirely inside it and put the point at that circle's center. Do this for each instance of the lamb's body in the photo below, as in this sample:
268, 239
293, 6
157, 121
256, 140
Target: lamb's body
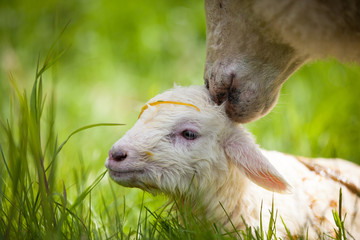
309, 205
183, 143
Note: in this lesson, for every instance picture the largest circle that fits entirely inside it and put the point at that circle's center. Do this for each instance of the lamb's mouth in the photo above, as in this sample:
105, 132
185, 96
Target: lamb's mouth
125, 176
132, 178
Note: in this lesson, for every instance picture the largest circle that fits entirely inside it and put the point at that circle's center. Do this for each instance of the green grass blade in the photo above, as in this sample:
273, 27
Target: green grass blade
88, 190
286, 229
261, 221
232, 224
339, 222
84, 128
6, 165
52, 57
272, 222
138, 229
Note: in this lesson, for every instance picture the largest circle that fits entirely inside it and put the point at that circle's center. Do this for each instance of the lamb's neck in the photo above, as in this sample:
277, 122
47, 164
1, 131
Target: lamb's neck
229, 196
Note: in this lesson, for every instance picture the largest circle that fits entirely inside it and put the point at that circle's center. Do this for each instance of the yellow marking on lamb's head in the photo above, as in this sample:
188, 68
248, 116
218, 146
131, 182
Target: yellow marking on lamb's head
166, 102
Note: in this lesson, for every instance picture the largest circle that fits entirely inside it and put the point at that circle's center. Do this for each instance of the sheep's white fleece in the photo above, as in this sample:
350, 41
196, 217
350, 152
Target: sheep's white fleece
223, 164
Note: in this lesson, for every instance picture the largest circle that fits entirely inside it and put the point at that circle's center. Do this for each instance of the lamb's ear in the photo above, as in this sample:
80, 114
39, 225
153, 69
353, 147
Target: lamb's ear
242, 150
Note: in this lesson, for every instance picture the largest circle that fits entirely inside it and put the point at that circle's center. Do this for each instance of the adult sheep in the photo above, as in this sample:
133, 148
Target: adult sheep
184, 144
254, 46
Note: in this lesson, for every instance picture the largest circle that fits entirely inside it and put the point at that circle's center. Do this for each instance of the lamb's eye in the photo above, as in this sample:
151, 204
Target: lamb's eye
189, 135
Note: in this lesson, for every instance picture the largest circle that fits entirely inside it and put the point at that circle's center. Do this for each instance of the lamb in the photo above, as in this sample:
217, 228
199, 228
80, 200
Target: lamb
254, 46
183, 143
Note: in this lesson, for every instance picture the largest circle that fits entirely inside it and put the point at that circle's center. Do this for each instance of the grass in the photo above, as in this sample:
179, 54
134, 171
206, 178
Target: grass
120, 55
31, 207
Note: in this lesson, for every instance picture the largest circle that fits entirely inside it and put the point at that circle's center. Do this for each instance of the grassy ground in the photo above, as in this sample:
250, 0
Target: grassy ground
116, 56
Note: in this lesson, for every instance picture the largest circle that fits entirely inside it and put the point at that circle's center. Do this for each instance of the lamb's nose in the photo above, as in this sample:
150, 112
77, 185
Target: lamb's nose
117, 155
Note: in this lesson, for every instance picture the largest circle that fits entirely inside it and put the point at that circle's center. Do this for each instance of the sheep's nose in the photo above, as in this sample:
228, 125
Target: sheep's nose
117, 155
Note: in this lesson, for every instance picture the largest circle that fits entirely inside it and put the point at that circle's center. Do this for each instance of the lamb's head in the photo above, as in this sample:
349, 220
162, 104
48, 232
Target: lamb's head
182, 140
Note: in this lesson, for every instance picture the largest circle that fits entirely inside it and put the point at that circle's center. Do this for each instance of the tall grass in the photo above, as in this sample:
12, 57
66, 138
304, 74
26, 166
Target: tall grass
31, 207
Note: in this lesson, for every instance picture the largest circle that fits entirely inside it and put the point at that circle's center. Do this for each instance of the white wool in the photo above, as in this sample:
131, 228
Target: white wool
223, 164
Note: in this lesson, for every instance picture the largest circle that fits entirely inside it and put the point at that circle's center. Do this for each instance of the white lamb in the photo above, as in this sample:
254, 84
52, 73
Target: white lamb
183, 143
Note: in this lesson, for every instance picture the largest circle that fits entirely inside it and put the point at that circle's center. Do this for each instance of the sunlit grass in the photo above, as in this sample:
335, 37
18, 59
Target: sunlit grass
31, 206
121, 55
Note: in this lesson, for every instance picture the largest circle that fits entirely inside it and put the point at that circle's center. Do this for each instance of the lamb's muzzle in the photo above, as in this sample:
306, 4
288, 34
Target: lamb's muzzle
178, 149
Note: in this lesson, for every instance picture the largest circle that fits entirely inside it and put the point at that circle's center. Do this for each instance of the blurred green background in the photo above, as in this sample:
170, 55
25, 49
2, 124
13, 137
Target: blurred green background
121, 53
